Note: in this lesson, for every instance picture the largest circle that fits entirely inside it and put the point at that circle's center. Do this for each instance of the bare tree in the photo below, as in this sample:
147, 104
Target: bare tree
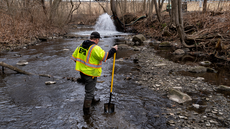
43, 6
157, 10
220, 1
178, 21
73, 8
151, 2
25, 3
125, 7
53, 9
102, 7
90, 7
134, 10
205, 6
144, 6
117, 22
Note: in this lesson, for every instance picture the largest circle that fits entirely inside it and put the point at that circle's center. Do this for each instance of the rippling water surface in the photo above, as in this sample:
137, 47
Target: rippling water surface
26, 102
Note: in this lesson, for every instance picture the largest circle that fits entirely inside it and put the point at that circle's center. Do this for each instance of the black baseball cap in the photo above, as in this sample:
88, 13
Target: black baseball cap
95, 35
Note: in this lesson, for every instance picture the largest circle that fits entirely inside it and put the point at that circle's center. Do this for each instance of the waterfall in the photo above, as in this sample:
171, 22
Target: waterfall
104, 22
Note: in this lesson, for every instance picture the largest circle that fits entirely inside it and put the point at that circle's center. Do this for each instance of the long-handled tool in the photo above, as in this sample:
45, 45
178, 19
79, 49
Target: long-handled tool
110, 107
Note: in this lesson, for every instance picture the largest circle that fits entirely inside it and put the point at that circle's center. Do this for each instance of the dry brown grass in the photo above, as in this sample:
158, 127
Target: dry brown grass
18, 25
212, 6
84, 14
17, 30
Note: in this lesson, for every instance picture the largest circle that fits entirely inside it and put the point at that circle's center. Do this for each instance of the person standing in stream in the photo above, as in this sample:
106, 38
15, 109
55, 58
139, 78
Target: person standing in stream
88, 57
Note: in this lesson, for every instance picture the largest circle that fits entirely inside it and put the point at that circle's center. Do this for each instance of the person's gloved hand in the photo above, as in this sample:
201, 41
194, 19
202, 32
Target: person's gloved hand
115, 47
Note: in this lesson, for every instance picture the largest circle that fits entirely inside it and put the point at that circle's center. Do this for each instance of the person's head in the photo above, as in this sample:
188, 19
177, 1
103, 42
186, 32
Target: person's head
95, 37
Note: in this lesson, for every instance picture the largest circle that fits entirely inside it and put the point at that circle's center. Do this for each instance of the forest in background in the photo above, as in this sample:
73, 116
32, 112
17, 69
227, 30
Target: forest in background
201, 25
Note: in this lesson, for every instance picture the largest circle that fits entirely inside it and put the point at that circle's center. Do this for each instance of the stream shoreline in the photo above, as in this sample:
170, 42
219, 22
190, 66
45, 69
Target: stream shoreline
207, 109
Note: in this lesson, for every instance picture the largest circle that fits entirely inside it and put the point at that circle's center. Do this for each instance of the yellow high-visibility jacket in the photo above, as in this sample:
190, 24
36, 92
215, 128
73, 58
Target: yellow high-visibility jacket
89, 61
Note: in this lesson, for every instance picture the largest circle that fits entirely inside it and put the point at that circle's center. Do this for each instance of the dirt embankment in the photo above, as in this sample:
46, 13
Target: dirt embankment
210, 31
18, 32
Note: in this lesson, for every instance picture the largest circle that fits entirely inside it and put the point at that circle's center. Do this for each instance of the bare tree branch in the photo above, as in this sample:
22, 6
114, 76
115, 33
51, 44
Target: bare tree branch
102, 7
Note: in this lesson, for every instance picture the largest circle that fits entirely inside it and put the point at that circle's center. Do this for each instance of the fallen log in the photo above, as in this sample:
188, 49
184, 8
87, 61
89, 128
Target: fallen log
14, 68
27, 73
19, 70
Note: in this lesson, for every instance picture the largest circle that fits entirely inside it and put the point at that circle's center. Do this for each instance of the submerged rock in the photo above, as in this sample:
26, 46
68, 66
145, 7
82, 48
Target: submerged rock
178, 96
140, 38
211, 70
120, 60
148, 41
65, 49
205, 63
158, 65
179, 52
22, 63
198, 69
196, 105
50, 82
123, 46
137, 49
165, 44
223, 88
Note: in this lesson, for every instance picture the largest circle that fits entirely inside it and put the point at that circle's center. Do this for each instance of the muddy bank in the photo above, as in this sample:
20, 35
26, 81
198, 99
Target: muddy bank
208, 107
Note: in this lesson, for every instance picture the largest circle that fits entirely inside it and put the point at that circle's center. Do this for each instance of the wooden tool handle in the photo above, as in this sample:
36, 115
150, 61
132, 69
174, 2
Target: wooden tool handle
114, 58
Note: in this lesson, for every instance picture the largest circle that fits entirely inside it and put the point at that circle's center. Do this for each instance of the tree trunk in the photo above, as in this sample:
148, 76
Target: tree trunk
53, 9
176, 15
205, 6
157, 10
219, 5
117, 22
144, 6
43, 6
90, 12
124, 7
25, 3
161, 4
180, 14
173, 12
151, 2
177, 8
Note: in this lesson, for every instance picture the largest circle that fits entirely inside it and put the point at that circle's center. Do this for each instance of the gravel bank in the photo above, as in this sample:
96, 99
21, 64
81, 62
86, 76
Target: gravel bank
207, 109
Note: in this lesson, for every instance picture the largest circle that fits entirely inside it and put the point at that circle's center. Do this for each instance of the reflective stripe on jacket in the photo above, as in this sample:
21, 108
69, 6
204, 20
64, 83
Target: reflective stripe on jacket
89, 61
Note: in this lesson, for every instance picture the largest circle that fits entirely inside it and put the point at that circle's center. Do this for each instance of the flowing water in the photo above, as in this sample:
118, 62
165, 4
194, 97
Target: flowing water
220, 77
26, 102
104, 23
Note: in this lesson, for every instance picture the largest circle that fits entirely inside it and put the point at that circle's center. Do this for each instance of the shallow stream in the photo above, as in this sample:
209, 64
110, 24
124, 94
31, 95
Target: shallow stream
26, 102
220, 77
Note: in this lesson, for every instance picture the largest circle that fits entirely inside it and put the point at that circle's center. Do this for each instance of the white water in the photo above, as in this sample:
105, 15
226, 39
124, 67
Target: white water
104, 26
104, 23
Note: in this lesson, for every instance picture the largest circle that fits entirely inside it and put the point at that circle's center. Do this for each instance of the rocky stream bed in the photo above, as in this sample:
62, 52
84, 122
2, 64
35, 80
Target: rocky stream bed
207, 109
195, 103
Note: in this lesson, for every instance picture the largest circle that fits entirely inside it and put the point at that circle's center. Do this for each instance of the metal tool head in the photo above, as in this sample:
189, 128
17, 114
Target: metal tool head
109, 108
